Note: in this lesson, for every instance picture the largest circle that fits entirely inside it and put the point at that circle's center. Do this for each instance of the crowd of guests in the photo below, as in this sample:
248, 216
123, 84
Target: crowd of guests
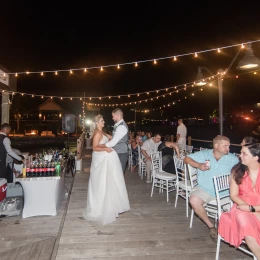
243, 220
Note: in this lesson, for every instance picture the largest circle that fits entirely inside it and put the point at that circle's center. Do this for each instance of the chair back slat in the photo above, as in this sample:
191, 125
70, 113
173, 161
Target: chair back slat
221, 184
156, 162
179, 169
193, 172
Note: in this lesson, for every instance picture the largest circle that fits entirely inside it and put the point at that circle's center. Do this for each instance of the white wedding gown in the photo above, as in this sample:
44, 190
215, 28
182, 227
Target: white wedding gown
107, 194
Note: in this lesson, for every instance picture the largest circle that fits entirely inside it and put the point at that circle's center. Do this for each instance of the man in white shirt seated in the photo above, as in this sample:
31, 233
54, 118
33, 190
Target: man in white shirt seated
150, 146
181, 134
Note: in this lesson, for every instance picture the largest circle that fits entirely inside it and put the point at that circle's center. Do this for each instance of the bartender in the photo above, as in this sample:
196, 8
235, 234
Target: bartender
5, 148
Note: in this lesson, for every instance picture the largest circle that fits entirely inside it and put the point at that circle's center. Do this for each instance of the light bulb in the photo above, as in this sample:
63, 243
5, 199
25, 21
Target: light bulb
56, 72
154, 62
42, 74
71, 71
85, 70
27, 72
196, 55
136, 64
16, 75
218, 50
101, 68
118, 66
174, 58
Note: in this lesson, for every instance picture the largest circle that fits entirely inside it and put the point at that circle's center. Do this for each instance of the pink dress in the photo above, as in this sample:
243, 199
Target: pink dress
235, 225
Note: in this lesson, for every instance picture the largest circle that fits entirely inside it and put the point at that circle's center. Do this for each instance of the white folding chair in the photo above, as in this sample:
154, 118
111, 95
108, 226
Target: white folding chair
211, 207
188, 149
130, 159
224, 203
141, 163
183, 186
161, 179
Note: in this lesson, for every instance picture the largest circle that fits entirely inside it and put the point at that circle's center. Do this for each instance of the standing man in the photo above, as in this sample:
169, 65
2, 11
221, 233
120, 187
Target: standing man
5, 148
150, 146
220, 161
119, 137
181, 135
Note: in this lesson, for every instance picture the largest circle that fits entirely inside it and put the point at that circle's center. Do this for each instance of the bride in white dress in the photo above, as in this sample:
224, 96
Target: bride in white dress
107, 194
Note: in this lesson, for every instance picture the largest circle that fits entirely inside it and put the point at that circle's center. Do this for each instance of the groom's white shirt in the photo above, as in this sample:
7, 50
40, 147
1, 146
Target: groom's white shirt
120, 132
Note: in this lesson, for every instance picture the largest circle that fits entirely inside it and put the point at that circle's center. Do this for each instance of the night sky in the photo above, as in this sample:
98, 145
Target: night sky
51, 36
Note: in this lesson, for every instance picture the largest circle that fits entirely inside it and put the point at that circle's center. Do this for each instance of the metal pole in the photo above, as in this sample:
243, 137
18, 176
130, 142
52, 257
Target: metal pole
220, 93
135, 122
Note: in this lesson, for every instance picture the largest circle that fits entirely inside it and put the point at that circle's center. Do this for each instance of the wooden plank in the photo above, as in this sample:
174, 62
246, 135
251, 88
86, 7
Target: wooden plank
36, 250
47, 249
11, 254
24, 252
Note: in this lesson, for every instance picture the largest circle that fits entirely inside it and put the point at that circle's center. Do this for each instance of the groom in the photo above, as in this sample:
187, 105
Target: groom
120, 137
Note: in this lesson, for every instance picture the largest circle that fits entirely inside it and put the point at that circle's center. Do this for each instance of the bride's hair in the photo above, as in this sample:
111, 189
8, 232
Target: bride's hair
93, 125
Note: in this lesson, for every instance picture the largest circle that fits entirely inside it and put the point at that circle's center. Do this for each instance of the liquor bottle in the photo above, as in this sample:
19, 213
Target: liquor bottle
31, 170
36, 169
48, 169
45, 169
28, 171
40, 170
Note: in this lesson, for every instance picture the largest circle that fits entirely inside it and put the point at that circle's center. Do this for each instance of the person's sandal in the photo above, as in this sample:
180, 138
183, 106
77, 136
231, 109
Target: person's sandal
213, 233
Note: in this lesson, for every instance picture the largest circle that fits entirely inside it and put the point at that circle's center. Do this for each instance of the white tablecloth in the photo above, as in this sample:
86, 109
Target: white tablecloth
42, 195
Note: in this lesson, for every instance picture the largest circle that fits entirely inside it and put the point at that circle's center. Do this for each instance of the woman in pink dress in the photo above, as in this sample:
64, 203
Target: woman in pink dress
243, 220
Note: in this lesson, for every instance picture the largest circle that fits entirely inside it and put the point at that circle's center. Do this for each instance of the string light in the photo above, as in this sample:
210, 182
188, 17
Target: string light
71, 71
42, 74
149, 60
218, 50
16, 75
85, 70
56, 72
118, 66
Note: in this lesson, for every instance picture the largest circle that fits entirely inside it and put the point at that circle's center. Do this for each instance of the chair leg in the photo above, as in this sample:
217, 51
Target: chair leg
152, 187
187, 204
191, 217
167, 191
218, 247
177, 195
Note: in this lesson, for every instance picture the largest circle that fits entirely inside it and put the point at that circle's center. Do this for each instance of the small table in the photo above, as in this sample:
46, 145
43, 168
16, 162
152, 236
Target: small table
42, 195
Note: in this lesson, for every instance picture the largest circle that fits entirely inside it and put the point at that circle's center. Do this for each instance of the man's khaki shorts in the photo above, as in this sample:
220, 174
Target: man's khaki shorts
198, 192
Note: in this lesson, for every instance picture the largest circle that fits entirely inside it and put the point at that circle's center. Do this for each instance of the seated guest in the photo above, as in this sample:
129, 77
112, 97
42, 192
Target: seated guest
144, 137
221, 162
167, 148
150, 146
134, 145
243, 220
149, 135
248, 140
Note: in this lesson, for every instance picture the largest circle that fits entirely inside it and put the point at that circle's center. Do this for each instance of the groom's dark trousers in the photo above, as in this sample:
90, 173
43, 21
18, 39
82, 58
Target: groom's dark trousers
123, 157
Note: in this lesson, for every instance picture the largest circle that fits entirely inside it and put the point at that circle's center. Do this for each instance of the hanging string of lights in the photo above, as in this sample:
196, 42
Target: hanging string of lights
135, 63
147, 93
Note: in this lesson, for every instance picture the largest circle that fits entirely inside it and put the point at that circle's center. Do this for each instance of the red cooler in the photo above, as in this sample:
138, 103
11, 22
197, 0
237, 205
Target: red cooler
3, 188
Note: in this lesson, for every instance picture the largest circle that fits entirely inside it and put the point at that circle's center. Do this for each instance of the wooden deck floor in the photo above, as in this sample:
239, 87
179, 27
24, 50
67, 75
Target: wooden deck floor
153, 229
